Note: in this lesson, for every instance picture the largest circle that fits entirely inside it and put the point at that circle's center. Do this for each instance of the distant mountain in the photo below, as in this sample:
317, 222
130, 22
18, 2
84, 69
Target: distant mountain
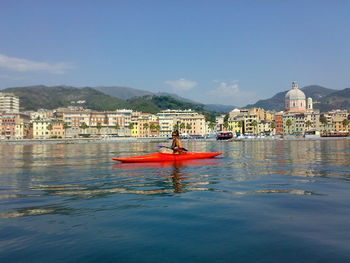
128, 93
154, 104
123, 93
36, 97
336, 100
219, 108
177, 97
317, 93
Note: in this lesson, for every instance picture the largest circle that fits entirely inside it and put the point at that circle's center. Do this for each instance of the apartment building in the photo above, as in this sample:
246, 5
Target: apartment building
14, 126
9, 103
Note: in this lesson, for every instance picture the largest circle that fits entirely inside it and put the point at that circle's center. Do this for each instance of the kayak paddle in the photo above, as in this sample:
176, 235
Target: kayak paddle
162, 146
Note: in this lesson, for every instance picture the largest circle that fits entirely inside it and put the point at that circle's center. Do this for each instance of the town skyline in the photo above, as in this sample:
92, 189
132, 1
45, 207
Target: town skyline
226, 52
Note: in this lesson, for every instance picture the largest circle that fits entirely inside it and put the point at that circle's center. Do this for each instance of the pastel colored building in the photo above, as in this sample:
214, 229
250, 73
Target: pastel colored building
14, 126
41, 129
279, 123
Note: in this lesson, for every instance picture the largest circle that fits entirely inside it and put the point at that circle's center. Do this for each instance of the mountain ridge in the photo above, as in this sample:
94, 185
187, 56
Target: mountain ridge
320, 95
36, 97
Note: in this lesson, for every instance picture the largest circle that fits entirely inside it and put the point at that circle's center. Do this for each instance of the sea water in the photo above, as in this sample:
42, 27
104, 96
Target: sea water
261, 201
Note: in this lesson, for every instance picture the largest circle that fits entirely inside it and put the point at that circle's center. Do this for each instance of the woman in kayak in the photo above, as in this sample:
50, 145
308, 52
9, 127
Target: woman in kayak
177, 143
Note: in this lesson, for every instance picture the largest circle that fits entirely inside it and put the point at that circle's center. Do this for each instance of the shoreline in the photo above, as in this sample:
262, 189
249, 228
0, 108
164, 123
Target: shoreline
147, 139
79, 141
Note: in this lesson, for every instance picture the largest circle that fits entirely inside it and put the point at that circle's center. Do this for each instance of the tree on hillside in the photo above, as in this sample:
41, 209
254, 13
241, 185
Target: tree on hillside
176, 127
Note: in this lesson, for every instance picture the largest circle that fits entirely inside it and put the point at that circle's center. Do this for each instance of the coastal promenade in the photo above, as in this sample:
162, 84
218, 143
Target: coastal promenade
81, 140
153, 139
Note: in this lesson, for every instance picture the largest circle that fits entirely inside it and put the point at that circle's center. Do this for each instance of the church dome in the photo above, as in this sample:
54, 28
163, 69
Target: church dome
295, 93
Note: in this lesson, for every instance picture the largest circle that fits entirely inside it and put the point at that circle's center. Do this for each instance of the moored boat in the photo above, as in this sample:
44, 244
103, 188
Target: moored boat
224, 136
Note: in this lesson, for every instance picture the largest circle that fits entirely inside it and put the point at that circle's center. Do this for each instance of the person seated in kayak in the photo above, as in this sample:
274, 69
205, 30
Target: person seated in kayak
177, 143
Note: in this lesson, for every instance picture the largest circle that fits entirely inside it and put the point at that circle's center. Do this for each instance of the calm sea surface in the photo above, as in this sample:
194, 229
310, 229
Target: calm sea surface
262, 201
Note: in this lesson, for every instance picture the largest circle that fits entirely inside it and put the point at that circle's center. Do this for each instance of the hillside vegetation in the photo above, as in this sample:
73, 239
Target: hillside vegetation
36, 97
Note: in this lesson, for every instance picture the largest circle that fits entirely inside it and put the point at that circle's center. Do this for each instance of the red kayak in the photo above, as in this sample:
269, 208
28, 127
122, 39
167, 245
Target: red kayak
166, 157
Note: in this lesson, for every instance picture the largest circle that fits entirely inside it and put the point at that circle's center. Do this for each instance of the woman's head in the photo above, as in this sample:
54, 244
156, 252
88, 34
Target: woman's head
175, 133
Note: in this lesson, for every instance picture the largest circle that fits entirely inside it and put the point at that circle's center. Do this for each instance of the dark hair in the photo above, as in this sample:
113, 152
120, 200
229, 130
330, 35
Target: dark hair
175, 133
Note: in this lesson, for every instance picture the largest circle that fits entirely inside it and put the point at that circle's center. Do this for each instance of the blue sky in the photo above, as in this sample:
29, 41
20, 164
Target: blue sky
228, 52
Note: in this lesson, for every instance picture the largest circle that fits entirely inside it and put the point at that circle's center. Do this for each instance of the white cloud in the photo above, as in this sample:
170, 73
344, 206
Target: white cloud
230, 93
226, 89
181, 84
23, 65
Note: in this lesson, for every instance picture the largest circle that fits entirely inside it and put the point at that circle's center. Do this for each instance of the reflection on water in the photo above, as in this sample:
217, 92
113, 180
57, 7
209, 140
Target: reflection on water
258, 179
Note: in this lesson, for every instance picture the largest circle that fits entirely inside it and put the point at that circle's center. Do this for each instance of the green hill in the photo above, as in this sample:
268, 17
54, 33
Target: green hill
36, 97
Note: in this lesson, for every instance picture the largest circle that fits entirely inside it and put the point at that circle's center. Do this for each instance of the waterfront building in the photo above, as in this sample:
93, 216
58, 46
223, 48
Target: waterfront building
23, 129
57, 129
74, 119
14, 126
98, 119
236, 124
336, 115
187, 121
41, 129
288, 124
41, 114
299, 127
312, 121
341, 126
251, 122
176, 113
327, 127
219, 120
269, 116
264, 127
193, 124
144, 123
166, 124
259, 112
120, 119
233, 113
279, 123
9, 103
